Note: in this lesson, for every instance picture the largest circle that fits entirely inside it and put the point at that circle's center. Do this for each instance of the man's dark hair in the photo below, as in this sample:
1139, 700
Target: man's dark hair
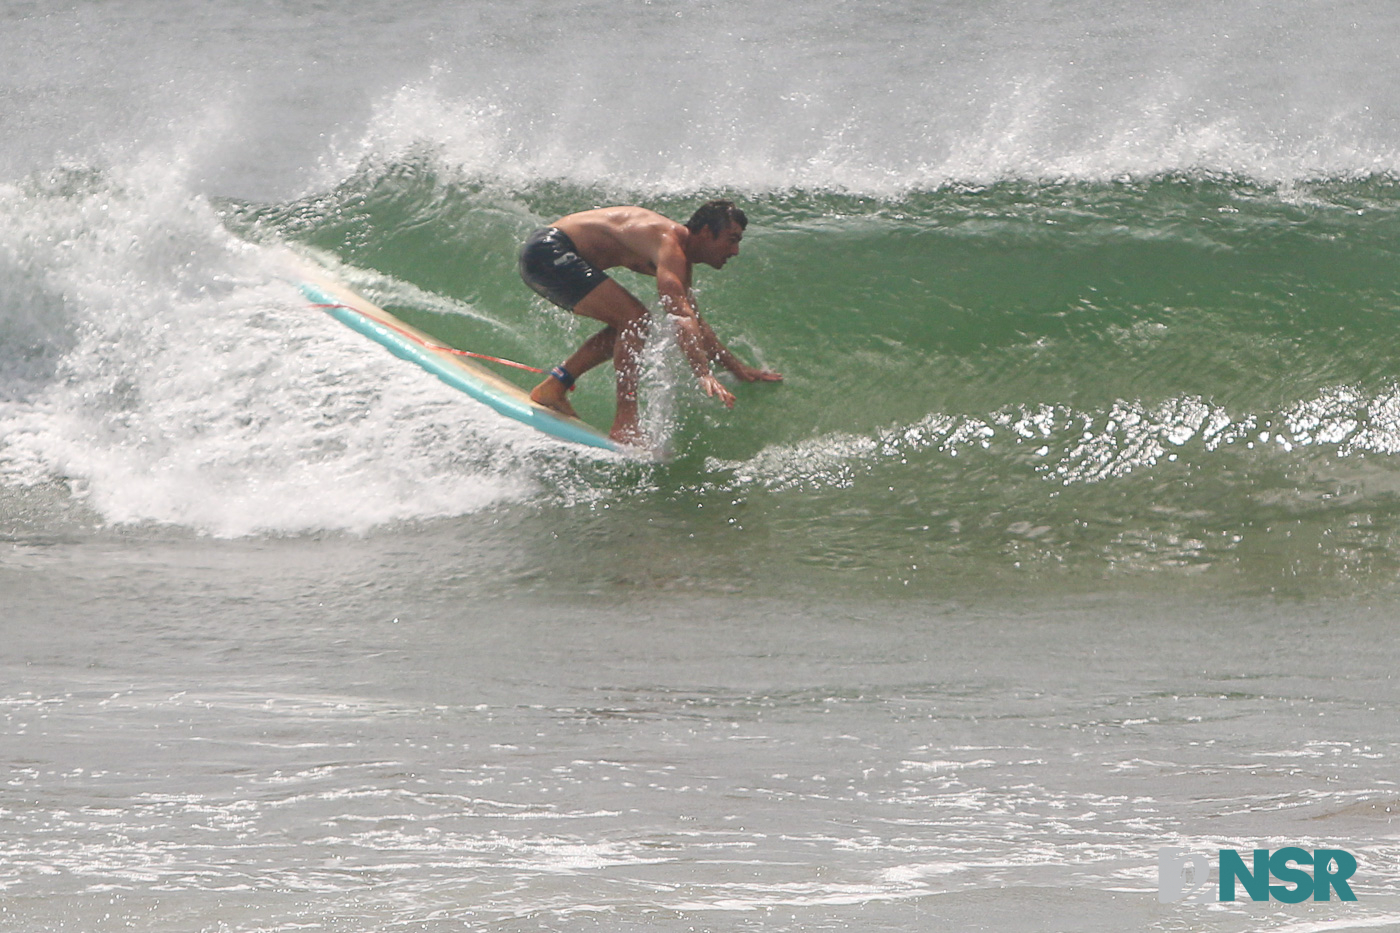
716, 215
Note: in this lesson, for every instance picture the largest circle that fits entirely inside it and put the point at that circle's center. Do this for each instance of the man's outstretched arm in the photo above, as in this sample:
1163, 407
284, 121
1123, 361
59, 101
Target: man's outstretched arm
675, 301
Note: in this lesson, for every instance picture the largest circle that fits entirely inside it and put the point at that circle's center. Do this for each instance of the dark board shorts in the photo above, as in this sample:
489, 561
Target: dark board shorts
551, 265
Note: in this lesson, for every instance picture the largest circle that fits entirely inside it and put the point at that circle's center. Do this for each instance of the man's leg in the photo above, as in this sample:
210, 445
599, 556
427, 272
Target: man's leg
554, 394
627, 320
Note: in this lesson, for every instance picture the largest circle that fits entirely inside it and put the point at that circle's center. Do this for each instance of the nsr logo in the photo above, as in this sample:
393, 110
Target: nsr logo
1330, 870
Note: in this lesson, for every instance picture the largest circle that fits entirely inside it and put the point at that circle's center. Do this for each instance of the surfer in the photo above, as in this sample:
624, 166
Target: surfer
564, 263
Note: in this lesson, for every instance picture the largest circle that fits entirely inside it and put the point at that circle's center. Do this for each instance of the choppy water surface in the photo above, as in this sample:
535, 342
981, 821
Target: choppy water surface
650, 763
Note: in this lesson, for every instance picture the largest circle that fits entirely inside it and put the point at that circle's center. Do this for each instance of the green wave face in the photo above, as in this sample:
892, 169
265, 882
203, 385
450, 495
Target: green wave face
1191, 376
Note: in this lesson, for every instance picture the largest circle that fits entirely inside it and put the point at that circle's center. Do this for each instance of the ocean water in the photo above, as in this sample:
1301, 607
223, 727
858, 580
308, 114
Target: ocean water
1072, 533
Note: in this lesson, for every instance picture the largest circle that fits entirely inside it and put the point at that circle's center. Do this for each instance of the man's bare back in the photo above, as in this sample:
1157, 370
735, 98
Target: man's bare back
565, 261
620, 236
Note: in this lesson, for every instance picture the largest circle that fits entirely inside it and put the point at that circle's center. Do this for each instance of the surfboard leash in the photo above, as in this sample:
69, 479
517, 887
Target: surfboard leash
433, 346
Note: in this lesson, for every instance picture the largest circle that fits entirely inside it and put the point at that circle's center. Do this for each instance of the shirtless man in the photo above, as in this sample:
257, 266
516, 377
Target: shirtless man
564, 263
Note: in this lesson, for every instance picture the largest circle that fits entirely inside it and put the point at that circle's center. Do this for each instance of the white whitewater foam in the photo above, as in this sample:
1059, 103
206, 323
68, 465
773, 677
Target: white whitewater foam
191, 386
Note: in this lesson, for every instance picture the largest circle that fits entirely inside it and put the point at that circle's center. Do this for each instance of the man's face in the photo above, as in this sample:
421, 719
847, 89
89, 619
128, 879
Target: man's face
720, 249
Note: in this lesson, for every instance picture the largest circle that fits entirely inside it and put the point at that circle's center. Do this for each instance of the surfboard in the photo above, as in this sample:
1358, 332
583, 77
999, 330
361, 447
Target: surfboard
461, 373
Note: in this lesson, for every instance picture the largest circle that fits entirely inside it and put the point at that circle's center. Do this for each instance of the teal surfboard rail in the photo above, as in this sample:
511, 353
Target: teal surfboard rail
457, 375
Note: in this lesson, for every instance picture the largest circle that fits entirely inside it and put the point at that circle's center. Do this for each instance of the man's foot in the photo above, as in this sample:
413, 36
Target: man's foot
552, 395
630, 435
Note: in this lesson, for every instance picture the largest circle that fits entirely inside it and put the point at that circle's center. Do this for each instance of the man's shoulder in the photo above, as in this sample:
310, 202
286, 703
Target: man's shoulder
639, 225
645, 218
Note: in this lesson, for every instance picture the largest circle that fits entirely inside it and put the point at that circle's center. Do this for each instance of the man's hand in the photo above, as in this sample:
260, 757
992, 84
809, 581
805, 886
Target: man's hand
715, 389
753, 374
